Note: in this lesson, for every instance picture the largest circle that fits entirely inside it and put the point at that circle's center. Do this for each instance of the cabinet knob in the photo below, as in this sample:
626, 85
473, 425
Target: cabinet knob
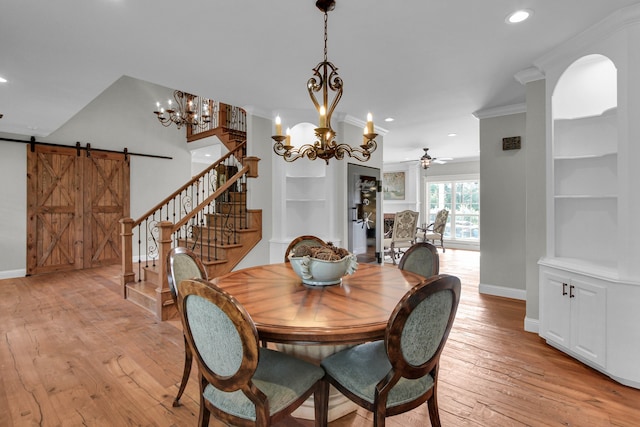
564, 289
571, 295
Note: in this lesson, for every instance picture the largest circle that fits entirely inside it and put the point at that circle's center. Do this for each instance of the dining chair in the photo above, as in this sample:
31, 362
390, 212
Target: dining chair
182, 264
435, 230
403, 234
242, 383
397, 374
421, 258
303, 240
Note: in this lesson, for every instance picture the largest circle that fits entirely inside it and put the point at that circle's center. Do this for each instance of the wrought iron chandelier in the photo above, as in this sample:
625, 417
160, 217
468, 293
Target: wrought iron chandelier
187, 110
325, 77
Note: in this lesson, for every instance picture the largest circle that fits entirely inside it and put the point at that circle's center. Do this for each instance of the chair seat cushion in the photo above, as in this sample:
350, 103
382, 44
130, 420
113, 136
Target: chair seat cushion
282, 378
360, 368
432, 236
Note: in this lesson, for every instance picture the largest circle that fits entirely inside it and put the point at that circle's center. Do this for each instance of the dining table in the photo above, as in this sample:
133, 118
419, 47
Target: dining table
313, 322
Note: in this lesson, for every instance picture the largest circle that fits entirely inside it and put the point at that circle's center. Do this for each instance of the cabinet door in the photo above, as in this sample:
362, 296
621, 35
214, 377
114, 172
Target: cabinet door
555, 309
588, 320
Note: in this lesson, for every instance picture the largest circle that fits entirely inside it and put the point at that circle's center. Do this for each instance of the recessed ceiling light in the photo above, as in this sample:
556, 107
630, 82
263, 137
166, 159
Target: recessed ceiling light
519, 16
3, 80
389, 119
452, 134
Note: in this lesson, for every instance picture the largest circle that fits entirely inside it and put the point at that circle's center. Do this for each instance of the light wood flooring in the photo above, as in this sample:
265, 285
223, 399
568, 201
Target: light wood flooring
74, 353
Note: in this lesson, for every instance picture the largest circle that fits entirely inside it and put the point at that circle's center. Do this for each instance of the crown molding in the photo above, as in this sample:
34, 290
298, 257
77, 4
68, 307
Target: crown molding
617, 21
361, 124
505, 110
529, 75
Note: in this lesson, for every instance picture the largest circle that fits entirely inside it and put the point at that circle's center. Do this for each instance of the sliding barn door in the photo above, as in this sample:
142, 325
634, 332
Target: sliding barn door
74, 203
106, 202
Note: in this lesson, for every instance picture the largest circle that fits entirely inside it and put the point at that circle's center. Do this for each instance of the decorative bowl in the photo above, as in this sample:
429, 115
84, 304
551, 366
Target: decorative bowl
317, 272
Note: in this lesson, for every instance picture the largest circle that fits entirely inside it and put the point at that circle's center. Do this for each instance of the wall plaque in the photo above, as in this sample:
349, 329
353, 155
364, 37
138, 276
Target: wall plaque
511, 143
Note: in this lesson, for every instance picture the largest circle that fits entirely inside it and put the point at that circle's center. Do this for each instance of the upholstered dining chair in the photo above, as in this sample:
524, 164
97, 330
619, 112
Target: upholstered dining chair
421, 258
403, 234
303, 240
183, 264
242, 383
435, 230
400, 373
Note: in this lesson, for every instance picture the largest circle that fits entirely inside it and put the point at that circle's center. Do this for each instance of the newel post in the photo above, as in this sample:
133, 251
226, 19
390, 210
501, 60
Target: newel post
163, 294
126, 234
252, 162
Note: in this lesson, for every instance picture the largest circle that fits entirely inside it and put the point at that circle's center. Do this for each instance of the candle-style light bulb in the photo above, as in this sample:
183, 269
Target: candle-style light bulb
323, 117
369, 123
288, 140
278, 126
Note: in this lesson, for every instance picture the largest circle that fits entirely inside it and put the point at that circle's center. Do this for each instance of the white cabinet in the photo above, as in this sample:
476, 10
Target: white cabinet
573, 315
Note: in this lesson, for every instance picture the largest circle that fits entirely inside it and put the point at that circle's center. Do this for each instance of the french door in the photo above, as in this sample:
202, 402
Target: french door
75, 200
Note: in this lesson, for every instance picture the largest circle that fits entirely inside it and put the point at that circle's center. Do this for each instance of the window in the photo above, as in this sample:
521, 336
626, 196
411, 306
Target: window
462, 199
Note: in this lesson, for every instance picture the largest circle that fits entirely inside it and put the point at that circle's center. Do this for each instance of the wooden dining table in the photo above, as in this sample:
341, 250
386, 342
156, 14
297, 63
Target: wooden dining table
313, 322
287, 311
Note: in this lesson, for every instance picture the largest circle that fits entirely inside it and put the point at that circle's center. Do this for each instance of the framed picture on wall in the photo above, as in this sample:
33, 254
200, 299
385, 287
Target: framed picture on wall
393, 185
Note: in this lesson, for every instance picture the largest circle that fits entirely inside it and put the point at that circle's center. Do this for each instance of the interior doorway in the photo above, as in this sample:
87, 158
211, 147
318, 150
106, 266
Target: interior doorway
365, 213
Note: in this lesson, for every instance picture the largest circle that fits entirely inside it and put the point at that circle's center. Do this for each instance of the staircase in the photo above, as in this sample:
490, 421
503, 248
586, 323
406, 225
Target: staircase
208, 215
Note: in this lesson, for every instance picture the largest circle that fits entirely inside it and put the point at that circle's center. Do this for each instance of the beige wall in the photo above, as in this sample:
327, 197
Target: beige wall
503, 207
121, 116
536, 174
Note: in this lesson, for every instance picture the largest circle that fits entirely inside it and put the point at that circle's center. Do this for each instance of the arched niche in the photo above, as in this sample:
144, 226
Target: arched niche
585, 162
588, 87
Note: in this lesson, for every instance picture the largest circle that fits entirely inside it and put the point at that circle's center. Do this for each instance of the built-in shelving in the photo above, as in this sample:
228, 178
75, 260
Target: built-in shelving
590, 277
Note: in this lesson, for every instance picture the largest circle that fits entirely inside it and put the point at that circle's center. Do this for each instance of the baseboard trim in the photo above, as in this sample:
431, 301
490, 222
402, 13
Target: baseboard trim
501, 291
531, 325
12, 274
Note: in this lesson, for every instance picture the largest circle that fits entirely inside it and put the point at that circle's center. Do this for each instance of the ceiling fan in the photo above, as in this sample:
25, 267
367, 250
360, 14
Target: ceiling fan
426, 160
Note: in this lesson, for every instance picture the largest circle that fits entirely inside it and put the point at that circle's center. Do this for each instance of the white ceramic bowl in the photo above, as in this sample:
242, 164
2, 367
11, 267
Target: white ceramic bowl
317, 272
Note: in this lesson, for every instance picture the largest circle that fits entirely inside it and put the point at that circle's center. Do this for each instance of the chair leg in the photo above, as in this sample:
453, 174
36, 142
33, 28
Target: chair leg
434, 415
204, 415
188, 360
321, 403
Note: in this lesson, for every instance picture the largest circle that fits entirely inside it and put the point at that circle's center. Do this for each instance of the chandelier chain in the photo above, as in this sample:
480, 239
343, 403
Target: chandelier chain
326, 17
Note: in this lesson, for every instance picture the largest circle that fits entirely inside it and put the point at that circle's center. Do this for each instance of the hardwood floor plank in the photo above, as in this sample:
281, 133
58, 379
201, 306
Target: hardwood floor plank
73, 352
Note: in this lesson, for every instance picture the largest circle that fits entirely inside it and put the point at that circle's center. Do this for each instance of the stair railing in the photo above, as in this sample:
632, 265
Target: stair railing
194, 211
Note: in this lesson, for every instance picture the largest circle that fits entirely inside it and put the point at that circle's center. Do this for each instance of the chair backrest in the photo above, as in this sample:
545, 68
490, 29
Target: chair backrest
421, 258
419, 327
404, 226
303, 240
221, 334
183, 264
441, 221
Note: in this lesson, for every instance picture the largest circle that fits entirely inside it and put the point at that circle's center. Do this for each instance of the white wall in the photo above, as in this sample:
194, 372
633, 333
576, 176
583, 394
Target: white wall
259, 190
122, 116
503, 203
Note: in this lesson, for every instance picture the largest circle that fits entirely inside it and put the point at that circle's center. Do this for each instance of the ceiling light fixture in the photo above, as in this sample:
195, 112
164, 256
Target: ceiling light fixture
325, 77
425, 161
187, 110
3, 80
519, 16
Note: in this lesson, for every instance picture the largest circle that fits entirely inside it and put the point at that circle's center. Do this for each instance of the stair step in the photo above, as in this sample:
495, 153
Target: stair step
143, 294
